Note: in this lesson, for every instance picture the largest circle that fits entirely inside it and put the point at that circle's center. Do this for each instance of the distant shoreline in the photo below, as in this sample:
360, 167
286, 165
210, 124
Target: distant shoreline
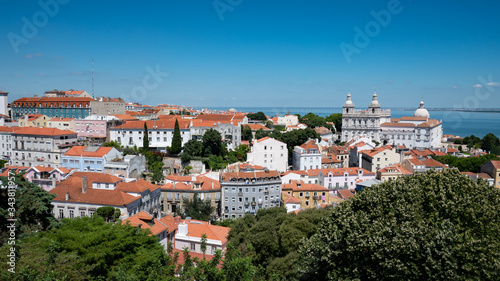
321, 109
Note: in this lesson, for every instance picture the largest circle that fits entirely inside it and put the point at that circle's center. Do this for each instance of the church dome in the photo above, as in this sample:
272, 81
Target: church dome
348, 102
421, 111
374, 102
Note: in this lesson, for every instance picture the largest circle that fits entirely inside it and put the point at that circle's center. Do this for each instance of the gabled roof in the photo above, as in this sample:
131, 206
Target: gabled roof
92, 196
255, 127
137, 186
345, 193
76, 179
298, 186
289, 199
374, 151
147, 222
42, 131
395, 168
126, 117
249, 175
202, 183
154, 125
84, 152
214, 232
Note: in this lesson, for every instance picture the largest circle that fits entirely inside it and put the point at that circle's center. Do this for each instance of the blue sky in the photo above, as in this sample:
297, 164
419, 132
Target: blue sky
256, 53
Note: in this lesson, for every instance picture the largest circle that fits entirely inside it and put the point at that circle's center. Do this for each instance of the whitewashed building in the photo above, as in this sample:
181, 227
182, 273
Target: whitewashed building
269, 153
307, 156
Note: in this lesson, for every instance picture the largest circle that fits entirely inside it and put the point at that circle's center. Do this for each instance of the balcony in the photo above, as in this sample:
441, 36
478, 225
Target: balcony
247, 203
316, 197
240, 193
254, 203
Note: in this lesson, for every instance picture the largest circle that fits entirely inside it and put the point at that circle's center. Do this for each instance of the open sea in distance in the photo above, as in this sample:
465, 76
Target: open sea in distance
456, 123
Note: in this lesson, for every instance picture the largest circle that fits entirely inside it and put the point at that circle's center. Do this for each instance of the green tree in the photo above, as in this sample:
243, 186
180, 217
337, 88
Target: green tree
259, 116
32, 207
197, 208
261, 134
193, 148
2, 163
490, 143
270, 239
109, 214
432, 226
246, 133
336, 118
114, 144
157, 172
212, 143
466, 164
145, 138
176, 140
237, 267
88, 248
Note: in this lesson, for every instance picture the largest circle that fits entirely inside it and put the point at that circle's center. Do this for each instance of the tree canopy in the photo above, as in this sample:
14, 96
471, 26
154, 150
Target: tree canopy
197, 208
270, 239
466, 164
32, 207
433, 226
260, 116
145, 138
176, 140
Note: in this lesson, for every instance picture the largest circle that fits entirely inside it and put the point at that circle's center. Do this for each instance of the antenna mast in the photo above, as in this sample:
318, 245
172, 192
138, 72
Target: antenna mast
93, 78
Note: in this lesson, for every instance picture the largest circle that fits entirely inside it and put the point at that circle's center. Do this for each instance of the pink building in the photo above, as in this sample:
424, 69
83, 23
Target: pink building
46, 177
91, 128
343, 178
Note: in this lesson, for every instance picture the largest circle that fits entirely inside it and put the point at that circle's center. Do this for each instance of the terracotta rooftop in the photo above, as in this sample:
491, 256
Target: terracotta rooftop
346, 194
75, 180
154, 125
136, 186
43, 131
249, 175
147, 222
214, 232
92, 196
297, 186
84, 152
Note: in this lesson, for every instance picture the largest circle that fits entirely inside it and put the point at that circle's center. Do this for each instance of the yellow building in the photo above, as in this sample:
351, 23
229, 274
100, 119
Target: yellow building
492, 168
392, 172
310, 195
33, 120
62, 123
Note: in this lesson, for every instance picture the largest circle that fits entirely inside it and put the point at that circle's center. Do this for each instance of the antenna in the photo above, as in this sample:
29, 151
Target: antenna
93, 96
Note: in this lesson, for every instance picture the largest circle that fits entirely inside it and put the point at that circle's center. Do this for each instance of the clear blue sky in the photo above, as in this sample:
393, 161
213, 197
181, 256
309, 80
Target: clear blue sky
258, 53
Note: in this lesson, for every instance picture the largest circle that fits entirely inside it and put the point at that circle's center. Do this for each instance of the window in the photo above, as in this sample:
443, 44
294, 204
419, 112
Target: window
214, 248
193, 246
71, 214
82, 214
61, 213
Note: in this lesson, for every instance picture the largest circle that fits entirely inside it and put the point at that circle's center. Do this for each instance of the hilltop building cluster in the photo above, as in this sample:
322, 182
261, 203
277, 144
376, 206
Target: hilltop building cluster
58, 141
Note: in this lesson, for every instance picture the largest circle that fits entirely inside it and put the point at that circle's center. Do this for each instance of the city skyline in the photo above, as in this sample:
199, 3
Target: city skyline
254, 53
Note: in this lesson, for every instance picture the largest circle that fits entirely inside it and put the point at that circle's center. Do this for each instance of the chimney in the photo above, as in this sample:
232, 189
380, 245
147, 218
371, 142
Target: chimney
84, 184
67, 196
174, 184
183, 229
191, 185
177, 219
212, 184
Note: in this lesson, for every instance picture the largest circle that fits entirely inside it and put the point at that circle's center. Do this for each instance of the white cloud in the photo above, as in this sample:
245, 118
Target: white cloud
493, 84
29, 56
478, 86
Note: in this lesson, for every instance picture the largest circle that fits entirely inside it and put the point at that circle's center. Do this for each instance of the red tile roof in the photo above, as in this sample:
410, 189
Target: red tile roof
92, 196
249, 175
137, 186
346, 194
214, 232
43, 131
80, 151
298, 186
147, 222
154, 125
75, 179
395, 168
255, 127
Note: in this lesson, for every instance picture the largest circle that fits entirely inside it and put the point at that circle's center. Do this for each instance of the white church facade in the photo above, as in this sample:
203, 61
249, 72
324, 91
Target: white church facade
416, 132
